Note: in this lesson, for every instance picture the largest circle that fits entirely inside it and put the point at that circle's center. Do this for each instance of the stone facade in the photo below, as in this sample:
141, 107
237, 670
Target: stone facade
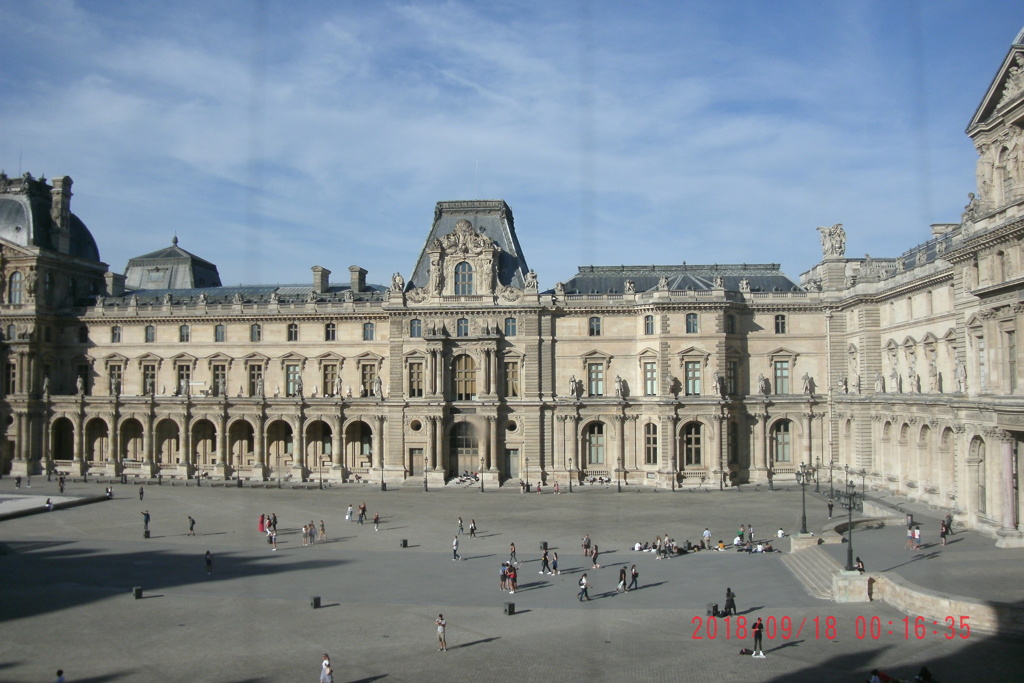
900, 372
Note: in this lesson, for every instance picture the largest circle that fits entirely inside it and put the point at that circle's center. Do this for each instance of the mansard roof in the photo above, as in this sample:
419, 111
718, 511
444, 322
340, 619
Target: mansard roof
492, 218
27, 217
170, 268
764, 277
288, 293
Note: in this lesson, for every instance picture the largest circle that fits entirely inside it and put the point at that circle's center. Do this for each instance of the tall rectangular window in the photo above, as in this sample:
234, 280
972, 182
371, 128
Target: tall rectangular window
367, 374
416, 328
1011, 359
184, 333
149, 378
116, 377
648, 324
650, 444
780, 324
220, 379
781, 441
219, 334
462, 327
293, 332
510, 327
256, 332
732, 377
184, 379
691, 369
368, 331
511, 379
982, 371
330, 332
595, 379
291, 377
781, 376
650, 378
11, 379
692, 326
733, 446
416, 379
115, 335
150, 334
465, 379
329, 377
594, 327
256, 380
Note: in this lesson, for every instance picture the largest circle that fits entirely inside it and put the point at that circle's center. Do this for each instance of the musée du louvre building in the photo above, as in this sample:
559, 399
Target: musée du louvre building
902, 369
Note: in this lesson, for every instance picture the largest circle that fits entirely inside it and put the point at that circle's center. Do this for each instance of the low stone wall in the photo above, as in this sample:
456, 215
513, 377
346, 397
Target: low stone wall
988, 617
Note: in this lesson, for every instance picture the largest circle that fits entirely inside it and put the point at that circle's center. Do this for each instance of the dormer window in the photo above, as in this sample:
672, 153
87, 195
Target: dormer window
463, 279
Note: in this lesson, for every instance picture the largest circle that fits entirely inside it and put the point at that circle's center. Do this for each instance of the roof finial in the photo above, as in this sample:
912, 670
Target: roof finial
174, 240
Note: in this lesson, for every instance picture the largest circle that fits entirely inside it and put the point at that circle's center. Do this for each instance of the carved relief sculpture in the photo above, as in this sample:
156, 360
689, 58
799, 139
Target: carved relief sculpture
960, 372
531, 280
833, 240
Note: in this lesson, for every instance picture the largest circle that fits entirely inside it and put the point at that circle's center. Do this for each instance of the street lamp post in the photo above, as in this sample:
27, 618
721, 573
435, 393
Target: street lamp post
863, 483
278, 470
801, 478
817, 479
771, 479
570, 475
618, 476
382, 484
831, 491
321, 475
849, 501
426, 463
481, 474
527, 474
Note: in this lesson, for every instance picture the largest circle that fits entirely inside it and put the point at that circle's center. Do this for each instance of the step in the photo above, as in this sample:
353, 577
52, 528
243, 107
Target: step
815, 569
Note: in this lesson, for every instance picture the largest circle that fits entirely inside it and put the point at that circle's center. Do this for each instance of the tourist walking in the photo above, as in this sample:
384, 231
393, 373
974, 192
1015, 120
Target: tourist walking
191, 526
917, 538
943, 531
376, 521
554, 564
545, 564
261, 524
442, 644
622, 580
142, 492
949, 523
273, 538
707, 537
512, 559
586, 545
362, 512
472, 528
513, 578
584, 589
910, 538
323, 531
348, 514
145, 520
594, 558
634, 575
455, 550
460, 526
830, 506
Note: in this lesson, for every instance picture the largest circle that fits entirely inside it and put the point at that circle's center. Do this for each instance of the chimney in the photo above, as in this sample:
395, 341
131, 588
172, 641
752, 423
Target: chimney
114, 283
60, 212
358, 278
321, 279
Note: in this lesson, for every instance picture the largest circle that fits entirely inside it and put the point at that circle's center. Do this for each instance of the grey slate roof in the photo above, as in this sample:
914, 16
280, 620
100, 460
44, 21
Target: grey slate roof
25, 219
612, 279
492, 218
286, 293
170, 268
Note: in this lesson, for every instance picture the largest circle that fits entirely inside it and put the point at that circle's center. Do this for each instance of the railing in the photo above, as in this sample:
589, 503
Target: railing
694, 475
131, 465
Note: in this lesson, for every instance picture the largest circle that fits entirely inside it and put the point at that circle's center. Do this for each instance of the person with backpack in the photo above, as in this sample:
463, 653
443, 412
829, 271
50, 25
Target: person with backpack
584, 588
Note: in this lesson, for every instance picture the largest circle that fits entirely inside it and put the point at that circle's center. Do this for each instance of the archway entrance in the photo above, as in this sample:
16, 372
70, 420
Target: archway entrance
464, 451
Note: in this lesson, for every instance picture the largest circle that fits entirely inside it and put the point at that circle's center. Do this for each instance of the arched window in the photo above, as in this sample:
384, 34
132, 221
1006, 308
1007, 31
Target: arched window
595, 443
782, 442
256, 332
510, 327
462, 327
184, 334
465, 379
416, 328
692, 456
330, 332
648, 324
293, 332
463, 279
594, 327
115, 335
219, 334
14, 288
691, 323
650, 444
368, 331
150, 334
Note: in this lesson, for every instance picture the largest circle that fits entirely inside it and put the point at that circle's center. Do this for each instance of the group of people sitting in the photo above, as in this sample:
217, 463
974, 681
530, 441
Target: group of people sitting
660, 547
467, 478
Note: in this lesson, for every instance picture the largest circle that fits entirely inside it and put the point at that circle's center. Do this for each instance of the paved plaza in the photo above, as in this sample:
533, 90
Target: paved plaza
67, 578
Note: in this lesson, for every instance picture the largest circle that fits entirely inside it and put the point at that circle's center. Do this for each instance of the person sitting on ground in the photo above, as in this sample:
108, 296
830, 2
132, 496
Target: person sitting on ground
637, 547
781, 532
737, 542
767, 547
859, 565
721, 545
759, 548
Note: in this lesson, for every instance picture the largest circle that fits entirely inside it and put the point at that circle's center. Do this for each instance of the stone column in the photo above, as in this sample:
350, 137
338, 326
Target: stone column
492, 451
809, 416
575, 426
378, 440
258, 442
494, 372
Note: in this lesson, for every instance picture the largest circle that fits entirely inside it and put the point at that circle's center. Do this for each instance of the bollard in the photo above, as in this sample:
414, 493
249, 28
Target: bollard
510, 608
543, 546
383, 486
137, 592
404, 543
314, 602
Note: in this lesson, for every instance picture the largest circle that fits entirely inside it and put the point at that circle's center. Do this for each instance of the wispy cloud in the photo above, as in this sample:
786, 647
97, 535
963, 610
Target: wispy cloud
273, 137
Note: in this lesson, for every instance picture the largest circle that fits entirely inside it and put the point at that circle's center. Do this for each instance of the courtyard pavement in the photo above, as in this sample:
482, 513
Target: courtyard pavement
67, 578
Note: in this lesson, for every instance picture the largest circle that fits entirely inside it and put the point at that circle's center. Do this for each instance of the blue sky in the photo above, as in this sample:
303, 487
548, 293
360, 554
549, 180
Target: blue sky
275, 136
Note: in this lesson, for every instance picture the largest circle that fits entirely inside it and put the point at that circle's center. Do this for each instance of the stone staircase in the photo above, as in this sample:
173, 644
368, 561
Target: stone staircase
815, 569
